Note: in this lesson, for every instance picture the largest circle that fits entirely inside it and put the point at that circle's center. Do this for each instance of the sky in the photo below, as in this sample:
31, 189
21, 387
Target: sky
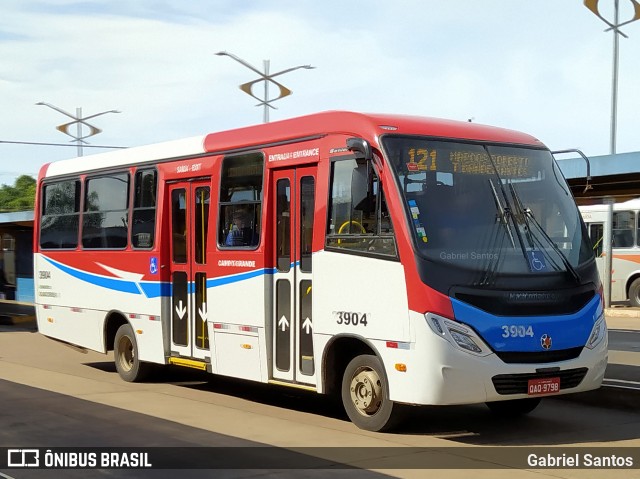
543, 67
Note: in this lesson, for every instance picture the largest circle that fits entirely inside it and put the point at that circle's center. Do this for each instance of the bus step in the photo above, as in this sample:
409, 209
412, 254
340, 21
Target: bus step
189, 363
306, 387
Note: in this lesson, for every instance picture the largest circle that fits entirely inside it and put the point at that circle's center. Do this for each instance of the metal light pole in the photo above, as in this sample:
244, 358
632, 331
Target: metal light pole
78, 121
615, 26
266, 78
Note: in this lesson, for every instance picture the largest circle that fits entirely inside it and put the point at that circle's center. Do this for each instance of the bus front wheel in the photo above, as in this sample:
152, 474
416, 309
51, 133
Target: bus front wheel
125, 355
634, 293
513, 407
365, 395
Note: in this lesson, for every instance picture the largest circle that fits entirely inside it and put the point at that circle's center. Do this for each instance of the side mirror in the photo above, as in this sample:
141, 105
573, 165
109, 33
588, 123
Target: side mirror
361, 148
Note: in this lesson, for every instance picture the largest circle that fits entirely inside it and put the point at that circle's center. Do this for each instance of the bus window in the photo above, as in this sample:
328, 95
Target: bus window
596, 233
144, 210
358, 218
623, 228
241, 201
307, 205
283, 233
60, 215
202, 223
106, 211
179, 225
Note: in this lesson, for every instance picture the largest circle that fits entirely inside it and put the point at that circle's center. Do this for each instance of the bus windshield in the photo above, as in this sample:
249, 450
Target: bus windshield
488, 208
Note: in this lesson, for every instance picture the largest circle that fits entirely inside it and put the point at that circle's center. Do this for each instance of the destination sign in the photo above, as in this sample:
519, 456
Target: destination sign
470, 162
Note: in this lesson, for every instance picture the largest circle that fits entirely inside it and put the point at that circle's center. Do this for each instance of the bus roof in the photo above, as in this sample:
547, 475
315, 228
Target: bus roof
368, 126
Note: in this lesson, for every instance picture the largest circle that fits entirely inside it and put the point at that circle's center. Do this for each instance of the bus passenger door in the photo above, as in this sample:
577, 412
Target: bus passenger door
292, 329
189, 234
596, 234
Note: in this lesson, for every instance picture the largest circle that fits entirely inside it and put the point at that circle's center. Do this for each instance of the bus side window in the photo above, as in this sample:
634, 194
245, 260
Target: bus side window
241, 201
359, 219
60, 215
144, 209
623, 229
106, 212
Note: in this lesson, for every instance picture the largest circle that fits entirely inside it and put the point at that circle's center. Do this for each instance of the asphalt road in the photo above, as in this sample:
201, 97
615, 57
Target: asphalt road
624, 340
43, 419
52, 396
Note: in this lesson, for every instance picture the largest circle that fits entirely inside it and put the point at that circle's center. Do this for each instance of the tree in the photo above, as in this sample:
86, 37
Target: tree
19, 197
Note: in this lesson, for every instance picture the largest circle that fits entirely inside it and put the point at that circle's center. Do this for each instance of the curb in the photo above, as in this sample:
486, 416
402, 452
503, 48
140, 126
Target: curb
623, 312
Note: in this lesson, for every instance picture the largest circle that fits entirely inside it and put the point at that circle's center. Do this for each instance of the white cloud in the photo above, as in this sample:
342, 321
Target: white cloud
543, 67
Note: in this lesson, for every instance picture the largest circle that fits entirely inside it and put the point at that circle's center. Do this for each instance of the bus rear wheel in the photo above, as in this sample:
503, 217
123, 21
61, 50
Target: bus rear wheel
125, 355
365, 395
513, 407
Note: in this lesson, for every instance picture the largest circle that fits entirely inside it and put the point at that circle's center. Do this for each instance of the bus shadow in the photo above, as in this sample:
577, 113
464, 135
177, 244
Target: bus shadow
267, 394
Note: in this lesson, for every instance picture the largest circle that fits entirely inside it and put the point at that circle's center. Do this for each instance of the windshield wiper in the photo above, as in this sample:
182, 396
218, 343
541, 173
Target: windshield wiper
504, 212
508, 213
527, 215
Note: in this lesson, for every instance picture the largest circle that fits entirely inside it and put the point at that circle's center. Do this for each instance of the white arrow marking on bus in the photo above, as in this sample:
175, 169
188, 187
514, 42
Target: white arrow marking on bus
180, 310
203, 312
307, 325
283, 323
126, 275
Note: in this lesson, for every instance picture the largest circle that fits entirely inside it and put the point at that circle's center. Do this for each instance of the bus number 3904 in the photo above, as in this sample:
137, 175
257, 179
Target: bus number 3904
514, 331
351, 318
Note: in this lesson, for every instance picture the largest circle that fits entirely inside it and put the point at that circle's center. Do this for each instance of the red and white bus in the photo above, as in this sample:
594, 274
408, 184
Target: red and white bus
392, 260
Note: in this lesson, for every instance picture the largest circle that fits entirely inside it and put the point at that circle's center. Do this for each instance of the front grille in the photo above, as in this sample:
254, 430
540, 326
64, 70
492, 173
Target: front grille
518, 383
539, 356
525, 303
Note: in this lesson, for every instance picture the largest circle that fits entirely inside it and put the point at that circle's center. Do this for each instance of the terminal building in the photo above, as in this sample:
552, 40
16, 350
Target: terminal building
612, 176
16, 257
615, 176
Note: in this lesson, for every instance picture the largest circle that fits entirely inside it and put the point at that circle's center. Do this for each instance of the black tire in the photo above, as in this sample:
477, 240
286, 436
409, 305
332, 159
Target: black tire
125, 355
634, 293
365, 395
513, 407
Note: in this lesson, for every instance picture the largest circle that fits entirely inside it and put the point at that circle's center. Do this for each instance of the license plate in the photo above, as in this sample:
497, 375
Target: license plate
543, 386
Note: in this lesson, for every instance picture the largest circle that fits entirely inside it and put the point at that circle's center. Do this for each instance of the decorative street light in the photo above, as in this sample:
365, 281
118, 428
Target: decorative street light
266, 78
78, 121
615, 26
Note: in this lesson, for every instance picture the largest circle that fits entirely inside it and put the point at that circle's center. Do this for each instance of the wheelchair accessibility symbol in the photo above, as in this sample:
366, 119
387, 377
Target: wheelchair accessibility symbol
153, 265
537, 263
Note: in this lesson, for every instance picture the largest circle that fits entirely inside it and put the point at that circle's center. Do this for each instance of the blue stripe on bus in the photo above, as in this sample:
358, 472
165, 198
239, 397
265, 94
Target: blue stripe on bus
115, 284
565, 330
151, 289
155, 289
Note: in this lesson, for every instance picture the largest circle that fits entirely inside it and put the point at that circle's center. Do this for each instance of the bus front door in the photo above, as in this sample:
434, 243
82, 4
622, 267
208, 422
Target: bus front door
596, 234
292, 329
189, 231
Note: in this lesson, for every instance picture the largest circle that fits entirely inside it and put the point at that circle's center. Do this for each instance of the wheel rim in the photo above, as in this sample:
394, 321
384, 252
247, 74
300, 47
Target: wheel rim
366, 391
125, 353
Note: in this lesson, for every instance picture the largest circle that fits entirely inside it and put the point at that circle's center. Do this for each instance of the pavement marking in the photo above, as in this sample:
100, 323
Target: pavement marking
615, 386
624, 381
6, 476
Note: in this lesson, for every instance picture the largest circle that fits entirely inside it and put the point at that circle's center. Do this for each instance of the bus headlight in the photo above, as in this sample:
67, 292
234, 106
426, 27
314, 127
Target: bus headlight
598, 333
457, 334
